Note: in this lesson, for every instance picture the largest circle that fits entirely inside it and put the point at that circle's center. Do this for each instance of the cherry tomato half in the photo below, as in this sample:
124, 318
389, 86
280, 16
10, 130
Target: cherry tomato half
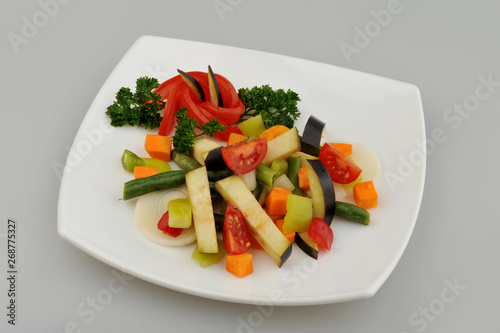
321, 233
341, 169
246, 156
235, 233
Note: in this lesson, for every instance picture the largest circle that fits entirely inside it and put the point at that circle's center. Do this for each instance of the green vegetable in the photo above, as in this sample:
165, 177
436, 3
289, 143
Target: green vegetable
280, 166
131, 160
257, 191
160, 164
207, 259
352, 212
161, 181
184, 161
277, 107
263, 194
185, 135
252, 127
294, 165
137, 109
215, 176
179, 213
299, 212
265, 174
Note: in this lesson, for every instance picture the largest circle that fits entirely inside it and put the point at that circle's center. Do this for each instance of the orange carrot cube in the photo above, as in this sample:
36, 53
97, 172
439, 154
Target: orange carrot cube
145, 171
365, 195
276, 201
304, 179
289, 235
239, 264
235, 138
344, 148
158, 146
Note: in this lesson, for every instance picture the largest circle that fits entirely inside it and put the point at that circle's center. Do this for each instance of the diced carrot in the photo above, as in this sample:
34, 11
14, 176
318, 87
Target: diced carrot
239, 264
235, 138
158, 146
273, 217
145, 171
276, 201
365, 195
344, 148
289, 235
273, 132
304, 179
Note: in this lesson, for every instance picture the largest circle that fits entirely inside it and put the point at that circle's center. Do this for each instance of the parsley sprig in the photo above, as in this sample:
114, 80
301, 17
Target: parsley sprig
185, 133
277, 107
140, 108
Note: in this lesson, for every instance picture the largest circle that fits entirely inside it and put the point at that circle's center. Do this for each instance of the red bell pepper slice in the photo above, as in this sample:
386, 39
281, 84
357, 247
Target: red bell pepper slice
165, 88
321, 233
227, 115
173, 99
163, 226
178, 94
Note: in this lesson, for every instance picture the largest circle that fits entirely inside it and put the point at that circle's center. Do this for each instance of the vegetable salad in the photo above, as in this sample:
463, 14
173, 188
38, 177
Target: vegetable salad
249, 180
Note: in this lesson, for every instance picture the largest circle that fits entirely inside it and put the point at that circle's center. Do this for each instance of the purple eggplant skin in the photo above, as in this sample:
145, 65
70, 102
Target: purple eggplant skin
309, 250
214, 89
328, 189
214, 160
313, 131
193, 84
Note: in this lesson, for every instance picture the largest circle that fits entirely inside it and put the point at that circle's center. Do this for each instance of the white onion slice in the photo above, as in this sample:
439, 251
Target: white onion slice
284, 182
368, 161
151, 207
249, 179
340, 192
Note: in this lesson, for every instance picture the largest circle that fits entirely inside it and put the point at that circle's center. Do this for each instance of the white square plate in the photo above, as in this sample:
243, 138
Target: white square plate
384, 114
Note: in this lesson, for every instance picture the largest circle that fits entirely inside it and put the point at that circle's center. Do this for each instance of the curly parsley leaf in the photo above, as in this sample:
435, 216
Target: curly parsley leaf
140, 108
277, 107
185, 130
211, 127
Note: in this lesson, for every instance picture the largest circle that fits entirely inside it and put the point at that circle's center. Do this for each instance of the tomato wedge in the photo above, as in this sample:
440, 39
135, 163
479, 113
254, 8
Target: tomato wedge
246, 156
163, 226
235, 233
321, 233
341, 169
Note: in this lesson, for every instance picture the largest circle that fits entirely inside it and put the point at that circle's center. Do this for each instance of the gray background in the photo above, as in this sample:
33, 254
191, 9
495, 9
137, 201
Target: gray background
443, 47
